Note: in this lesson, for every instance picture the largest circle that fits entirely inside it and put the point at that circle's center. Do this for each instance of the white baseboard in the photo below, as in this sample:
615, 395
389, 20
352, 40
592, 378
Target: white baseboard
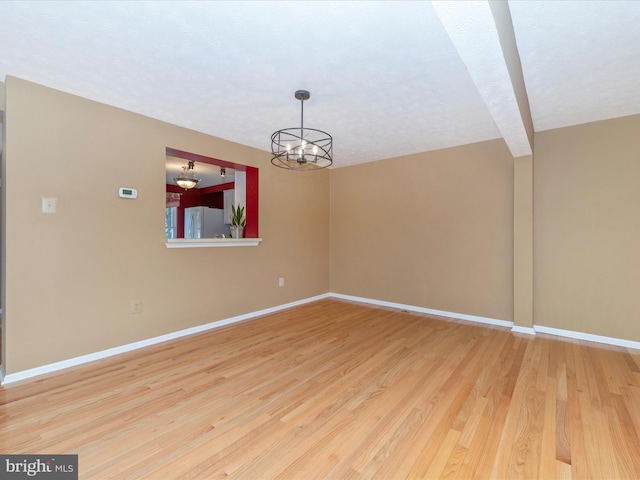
525, 330
53, 367
620, 342
503, 323
72, 362
430, 311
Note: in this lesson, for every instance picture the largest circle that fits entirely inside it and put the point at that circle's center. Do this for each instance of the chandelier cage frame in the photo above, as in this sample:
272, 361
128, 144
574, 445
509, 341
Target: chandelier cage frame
301, 148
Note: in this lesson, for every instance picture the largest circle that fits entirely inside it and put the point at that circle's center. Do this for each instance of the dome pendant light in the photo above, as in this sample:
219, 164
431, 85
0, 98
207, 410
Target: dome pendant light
301, 148
187, 178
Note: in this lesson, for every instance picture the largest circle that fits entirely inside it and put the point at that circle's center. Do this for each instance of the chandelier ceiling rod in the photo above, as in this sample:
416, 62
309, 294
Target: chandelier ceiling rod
302, 95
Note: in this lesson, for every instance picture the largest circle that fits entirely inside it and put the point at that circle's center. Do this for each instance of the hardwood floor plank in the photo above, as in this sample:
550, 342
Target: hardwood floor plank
454, 463
549, 438
336, 389
442, 455
483, 451
562, 437
631, 400
576, 384
441, 418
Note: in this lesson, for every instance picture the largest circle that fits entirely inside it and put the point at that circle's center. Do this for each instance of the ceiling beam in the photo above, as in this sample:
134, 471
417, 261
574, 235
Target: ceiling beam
483, 36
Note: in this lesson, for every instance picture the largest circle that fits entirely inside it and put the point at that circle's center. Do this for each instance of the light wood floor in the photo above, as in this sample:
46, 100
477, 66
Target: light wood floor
339, 390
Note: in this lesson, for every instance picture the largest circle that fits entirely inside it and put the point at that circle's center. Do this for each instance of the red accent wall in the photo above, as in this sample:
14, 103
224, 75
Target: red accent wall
213, 196
251, 227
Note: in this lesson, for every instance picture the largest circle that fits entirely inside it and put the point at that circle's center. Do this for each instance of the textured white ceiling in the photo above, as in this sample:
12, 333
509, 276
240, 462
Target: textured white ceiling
581, 59
472, 29
386, 78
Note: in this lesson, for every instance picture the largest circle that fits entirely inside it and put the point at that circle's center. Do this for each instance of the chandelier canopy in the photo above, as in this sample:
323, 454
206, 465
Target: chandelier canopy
301, 148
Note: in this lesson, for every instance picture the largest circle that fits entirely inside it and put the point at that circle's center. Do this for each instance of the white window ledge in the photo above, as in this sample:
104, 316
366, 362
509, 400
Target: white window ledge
211, 242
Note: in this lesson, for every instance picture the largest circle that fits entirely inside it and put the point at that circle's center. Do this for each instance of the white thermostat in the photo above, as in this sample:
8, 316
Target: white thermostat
126, 192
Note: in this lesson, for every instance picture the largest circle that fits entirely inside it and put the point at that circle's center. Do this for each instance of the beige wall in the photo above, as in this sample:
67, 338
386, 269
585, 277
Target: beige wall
587, 228
523, 241
433, 230
2, 327
70, 276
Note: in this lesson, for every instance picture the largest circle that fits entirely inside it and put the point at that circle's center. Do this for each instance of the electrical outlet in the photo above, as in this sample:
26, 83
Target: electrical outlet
281, 282
136, 307
49, 205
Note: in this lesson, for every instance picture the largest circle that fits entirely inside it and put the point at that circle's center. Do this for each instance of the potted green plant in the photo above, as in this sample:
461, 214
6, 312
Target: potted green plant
238, 221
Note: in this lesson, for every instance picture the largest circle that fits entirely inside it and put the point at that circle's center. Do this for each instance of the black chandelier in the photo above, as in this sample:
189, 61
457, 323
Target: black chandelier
301, 148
